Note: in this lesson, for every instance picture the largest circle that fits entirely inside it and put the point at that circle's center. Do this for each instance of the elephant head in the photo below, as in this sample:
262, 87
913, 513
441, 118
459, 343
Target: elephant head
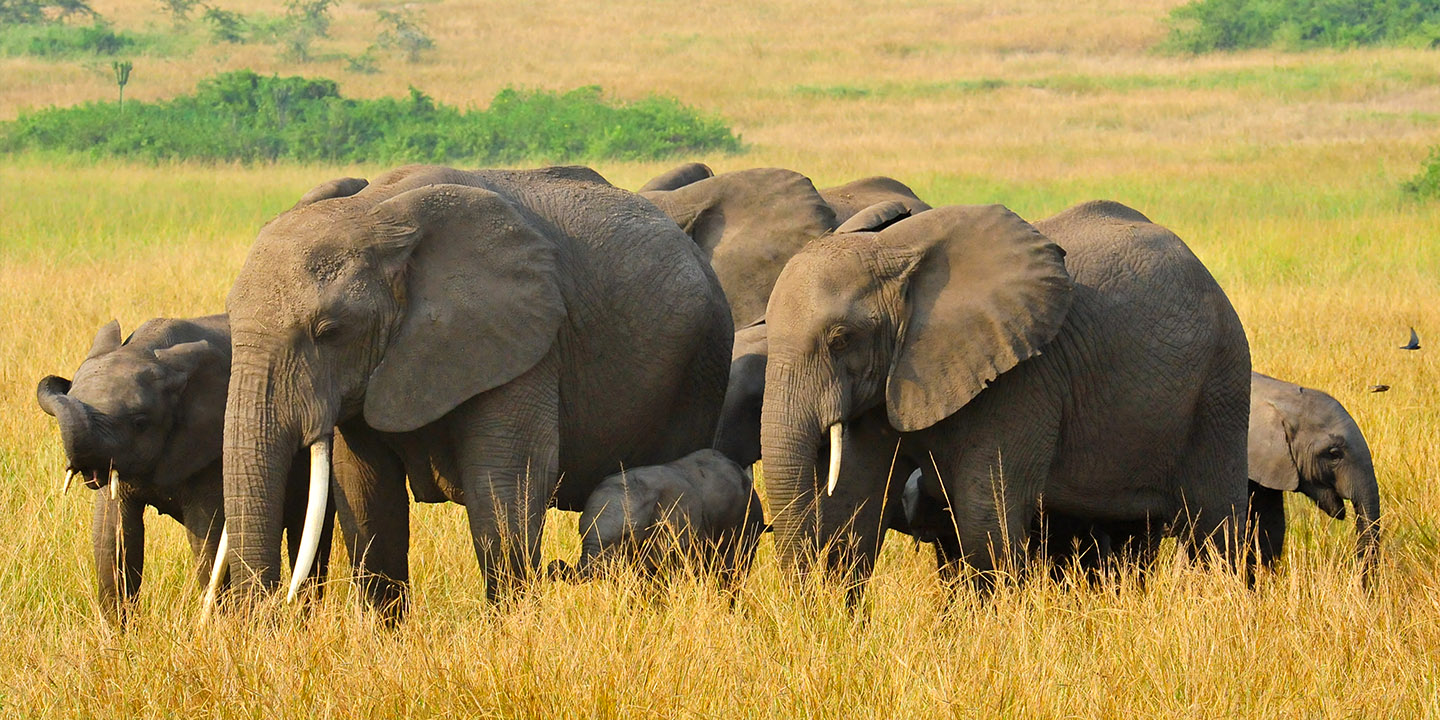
355, 303
894, 330
849, 199
1302, 440
132, 410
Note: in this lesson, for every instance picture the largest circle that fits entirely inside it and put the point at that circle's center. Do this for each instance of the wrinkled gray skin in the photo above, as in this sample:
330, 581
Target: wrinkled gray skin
1115, 378
152, 408
1302, 440
750, 222
699, 509
480, 332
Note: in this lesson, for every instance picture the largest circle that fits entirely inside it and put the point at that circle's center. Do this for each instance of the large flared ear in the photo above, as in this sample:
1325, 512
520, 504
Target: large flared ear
107, 340
199, 373
678, 177
48, 392
984, 290
482, 301
1272, 462
337, 188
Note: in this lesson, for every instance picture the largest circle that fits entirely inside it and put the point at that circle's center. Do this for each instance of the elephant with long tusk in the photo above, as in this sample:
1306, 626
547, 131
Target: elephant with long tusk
476, 335
141, 424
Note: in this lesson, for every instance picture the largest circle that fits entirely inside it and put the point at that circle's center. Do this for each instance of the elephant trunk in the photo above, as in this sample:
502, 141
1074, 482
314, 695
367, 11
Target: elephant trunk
1357, 483
790, 444
259, 446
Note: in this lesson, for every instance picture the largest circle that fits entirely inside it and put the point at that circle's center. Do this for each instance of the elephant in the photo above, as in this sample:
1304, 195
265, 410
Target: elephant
483, 334
144, 417
1089, 360
699, 509
1302, 440
750, 222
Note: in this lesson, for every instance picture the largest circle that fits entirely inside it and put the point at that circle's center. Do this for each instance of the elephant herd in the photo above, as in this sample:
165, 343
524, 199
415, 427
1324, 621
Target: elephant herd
1067, 391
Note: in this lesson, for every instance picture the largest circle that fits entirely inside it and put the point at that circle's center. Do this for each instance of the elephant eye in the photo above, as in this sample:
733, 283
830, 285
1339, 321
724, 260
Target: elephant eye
140, 422
838, 338
1335, 453
326, 329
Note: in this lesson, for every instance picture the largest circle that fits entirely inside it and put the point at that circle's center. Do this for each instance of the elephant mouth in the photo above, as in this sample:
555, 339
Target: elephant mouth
92, 478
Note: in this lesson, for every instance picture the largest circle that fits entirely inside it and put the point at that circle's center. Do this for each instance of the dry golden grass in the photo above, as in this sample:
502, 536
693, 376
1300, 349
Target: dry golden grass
1280, 170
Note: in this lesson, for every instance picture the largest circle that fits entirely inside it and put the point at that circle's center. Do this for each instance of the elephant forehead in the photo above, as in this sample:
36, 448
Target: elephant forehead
117, 383
820, 284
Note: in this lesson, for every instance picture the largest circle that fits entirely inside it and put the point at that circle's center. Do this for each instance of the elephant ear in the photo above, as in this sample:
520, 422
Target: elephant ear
875, 218
337, 188
482, 301
1272, 463
107, 340
199, 372
678, 177
984, 291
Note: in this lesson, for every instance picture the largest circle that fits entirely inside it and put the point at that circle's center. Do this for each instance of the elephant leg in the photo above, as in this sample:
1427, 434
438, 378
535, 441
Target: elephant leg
117, 534
993, 503
507, 441
857, 523
1267, 523
374, 512
203, 515
293, 519
1212, 475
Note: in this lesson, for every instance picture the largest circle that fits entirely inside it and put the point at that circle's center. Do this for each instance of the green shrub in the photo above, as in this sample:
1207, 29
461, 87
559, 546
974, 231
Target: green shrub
1209, 25
403, 32
242, 116
56, 40
1427, 183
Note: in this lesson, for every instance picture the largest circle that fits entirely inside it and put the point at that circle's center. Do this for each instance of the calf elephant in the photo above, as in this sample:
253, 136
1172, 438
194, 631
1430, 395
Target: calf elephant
483, 333
144, 417
1302, 440
700, 509
749, 222
1089, 359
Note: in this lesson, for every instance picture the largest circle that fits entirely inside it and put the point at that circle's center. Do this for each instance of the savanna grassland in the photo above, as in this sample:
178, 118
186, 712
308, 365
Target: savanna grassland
1282, 171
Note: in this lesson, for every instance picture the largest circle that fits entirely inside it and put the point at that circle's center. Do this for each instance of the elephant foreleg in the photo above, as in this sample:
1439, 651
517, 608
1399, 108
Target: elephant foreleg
374, 515
1267, 523
507, 440
203, 515
118, 537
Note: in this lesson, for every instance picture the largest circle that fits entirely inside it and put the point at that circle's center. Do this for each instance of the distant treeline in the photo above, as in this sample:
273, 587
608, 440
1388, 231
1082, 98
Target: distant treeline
1209, 25
243, 116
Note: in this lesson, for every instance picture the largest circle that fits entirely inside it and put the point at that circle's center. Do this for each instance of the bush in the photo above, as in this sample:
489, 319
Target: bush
242, 116
1427, 183
56, 40
404, 32
1209, 25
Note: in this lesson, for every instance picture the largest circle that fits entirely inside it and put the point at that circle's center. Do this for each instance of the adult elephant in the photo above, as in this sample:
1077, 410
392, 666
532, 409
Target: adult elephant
750, 222
483, 333
1110, 377
1302, 440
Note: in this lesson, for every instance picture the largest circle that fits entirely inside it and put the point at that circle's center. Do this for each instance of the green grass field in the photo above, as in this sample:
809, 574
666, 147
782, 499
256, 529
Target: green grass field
1282, 171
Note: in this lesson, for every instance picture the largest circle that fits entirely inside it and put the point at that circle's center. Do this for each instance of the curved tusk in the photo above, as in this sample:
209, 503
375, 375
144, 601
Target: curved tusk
314, 515
69, 478
837, 446
114, 484
218, 570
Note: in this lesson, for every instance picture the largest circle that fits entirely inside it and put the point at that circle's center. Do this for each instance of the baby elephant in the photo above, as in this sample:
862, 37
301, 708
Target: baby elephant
1302, 440
701, 508
142, 422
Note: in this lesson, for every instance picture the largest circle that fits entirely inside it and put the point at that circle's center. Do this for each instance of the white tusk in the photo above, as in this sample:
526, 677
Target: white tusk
837, 446
69, 477
218, 570
314, 515
114, 484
